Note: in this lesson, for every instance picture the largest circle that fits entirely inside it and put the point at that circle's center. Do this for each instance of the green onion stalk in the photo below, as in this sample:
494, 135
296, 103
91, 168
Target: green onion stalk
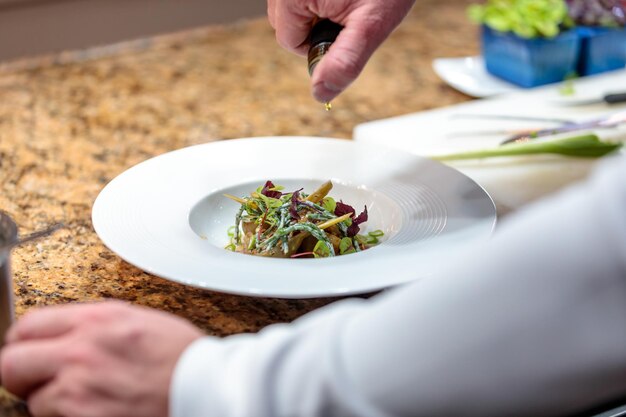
584, 146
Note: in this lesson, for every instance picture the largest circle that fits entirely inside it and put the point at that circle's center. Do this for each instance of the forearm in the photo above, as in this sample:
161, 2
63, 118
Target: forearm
285, 370
532, 324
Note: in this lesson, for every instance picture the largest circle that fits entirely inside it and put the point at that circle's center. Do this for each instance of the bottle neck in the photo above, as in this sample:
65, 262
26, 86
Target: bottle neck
316, 53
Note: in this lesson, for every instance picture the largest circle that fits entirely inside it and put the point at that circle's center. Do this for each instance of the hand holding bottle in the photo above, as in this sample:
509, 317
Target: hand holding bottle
367, 23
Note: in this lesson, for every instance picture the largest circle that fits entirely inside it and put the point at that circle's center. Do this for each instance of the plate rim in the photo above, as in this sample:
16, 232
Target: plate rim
510, 88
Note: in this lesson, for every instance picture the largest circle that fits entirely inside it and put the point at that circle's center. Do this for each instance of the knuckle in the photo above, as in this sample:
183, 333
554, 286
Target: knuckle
281, 39
93, 314
79, 355
372, 28
104, 311
39, 403
374, 25
67, 396
112, 305
130, 334
73, 407
72, 387
298, 6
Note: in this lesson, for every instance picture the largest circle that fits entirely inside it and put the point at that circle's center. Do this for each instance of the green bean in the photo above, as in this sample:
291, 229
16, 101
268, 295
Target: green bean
237, 223
315, 231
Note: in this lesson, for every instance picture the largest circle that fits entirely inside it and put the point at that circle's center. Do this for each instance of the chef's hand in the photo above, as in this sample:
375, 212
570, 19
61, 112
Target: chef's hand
367, 23
106, 359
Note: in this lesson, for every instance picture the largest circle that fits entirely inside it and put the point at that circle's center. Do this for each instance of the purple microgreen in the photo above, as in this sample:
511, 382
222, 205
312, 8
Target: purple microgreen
354, 227
341, 208
361, 218
269, 190
293, 209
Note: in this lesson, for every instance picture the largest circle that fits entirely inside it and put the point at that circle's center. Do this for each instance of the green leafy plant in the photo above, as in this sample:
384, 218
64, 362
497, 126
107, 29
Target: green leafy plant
525, 18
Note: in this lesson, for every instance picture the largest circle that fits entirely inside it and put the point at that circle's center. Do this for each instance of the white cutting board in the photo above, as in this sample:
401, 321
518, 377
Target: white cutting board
512, 182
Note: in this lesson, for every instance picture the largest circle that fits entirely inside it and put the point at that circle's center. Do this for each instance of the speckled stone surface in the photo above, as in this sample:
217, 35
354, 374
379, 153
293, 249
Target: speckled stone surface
68, 125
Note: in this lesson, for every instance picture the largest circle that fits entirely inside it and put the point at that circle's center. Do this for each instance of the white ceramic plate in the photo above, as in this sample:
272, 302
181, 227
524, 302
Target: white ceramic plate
469, 76
168, 215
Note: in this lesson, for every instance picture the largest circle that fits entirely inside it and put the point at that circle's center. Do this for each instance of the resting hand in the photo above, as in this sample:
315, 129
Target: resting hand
367, 23
106, 359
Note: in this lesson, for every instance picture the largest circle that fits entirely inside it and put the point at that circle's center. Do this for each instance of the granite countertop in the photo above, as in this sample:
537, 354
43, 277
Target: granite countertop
70, 123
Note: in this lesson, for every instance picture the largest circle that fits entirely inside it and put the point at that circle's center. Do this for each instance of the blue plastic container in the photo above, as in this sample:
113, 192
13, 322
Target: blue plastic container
601, 49
530, 62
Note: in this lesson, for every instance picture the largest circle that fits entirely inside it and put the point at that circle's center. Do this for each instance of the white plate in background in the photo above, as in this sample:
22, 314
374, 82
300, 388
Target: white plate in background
168, 215
469, 76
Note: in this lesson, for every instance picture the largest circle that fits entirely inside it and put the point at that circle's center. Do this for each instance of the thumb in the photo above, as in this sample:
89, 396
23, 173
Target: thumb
341, 65
362, 35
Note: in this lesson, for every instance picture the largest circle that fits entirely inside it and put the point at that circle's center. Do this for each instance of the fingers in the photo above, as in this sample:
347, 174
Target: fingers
341, 65
45, 402
56, 321
27, 365
98, 367
77, 392
292, 24
42, 341
68, 395
44, 323
362, 35
271, 6
367, 23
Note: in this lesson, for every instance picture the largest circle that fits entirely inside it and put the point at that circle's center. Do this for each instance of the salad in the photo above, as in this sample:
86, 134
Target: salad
294, 224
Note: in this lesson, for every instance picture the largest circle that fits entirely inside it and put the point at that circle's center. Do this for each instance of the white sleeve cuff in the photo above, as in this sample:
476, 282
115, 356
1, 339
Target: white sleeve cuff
190, 394
257, 375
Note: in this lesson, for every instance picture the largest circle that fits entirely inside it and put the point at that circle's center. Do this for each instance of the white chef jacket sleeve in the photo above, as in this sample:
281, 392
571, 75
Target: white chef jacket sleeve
530, 323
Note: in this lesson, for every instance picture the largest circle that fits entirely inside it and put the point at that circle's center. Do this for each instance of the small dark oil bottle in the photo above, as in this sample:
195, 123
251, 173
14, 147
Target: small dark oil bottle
322, 36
